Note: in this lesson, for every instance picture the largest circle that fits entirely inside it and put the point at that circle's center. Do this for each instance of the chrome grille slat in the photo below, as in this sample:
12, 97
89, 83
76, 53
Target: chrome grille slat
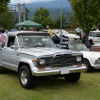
61, 60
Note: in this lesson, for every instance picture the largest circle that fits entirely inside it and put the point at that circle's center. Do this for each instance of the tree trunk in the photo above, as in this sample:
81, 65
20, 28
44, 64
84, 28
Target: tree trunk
87, 39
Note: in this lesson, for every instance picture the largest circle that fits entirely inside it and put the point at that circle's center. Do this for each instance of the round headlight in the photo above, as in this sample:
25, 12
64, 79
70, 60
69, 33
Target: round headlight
42, 61
97, 61
78, 59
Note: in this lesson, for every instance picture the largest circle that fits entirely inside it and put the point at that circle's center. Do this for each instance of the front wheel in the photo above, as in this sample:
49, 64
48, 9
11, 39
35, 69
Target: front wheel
27, 80
87, 64
72, 77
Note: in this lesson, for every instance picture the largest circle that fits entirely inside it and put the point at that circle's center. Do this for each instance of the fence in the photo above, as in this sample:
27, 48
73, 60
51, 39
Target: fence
72, 31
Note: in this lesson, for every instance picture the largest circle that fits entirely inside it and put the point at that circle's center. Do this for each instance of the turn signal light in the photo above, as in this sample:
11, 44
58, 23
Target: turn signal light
41, 68
34, 60
79, 65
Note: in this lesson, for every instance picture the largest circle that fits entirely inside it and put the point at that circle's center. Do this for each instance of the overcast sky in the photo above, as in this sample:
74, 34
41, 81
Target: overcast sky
27, 1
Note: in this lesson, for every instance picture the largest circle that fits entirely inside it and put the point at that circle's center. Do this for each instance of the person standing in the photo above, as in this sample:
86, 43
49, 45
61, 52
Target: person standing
2, 37
49, 31
90, 43
22, 29
79, 32
83, 38
32, 28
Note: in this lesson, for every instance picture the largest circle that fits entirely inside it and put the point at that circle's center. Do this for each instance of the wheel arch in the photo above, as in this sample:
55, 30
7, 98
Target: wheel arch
23, 63
86, 60
27, 80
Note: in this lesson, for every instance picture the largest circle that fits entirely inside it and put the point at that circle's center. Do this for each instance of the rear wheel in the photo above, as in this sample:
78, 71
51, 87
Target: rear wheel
27, 80
72, 77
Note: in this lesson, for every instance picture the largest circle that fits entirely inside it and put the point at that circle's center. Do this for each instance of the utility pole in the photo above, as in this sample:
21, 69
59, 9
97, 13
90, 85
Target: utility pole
24, 16
61, 20
20, 9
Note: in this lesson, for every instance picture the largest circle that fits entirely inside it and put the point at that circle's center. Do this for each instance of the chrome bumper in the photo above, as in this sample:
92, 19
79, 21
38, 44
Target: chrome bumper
97, 66
59, 71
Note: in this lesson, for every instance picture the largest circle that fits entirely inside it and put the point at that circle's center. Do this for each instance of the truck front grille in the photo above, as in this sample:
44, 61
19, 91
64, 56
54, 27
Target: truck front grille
61, 60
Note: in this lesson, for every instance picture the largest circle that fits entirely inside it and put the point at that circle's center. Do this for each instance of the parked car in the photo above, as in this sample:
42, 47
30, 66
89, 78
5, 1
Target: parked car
90, 58
33, 54
65, 35
12, 30
95, 36
95, 47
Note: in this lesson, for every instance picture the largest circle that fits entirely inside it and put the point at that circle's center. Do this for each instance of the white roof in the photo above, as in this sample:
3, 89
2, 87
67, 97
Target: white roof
24, 32
59, 30
96, 31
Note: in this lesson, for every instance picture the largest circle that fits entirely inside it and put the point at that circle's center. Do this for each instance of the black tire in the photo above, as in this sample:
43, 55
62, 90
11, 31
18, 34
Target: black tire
27, 80
87, 64
72, 77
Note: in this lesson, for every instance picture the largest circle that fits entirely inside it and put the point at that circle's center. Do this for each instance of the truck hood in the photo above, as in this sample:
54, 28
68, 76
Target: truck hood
39, 51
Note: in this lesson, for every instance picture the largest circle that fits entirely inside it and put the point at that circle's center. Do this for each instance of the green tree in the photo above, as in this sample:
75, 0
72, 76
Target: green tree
3, 5
41, 16
6, 20
73, 22
58, 22
87, 13
48, 21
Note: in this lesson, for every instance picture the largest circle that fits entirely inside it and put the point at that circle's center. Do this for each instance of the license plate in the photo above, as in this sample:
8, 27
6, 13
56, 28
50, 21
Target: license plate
64, 71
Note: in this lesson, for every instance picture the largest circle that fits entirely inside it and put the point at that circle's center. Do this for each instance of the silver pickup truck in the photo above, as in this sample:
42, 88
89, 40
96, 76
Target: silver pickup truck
33, 54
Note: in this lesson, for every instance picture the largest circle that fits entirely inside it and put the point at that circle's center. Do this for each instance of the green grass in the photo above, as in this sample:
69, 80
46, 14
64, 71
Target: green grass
49, 88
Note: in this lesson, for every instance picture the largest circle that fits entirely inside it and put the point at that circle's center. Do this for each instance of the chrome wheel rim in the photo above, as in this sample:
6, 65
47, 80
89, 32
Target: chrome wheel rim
24, 77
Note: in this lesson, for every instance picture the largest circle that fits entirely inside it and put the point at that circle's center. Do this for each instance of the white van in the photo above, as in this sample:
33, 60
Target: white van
95, 36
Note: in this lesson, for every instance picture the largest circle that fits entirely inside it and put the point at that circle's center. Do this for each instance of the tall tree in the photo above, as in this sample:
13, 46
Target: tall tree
3, 5
87, 13
73, 22
6, 20
41, 16
48, 21
58, 22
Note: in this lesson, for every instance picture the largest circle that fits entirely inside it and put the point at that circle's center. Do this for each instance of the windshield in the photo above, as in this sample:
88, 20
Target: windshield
78, 47
35, 41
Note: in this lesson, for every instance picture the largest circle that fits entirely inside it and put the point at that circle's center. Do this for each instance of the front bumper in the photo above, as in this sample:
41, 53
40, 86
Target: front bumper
59, 71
